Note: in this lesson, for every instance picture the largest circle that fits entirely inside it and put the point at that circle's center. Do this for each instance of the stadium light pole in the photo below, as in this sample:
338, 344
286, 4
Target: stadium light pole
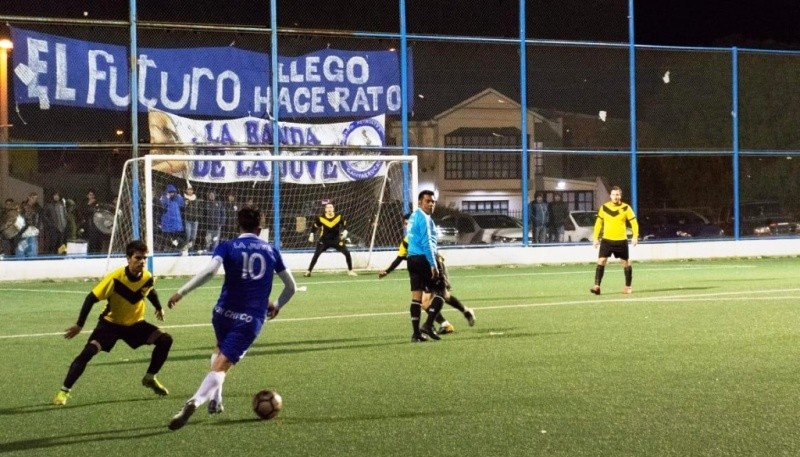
5, 46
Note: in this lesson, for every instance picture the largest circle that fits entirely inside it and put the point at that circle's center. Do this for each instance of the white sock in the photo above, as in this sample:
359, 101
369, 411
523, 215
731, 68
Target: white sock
212, 383
217, 394
445, 324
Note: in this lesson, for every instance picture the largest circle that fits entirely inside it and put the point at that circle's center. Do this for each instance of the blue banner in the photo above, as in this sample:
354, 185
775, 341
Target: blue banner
54, 70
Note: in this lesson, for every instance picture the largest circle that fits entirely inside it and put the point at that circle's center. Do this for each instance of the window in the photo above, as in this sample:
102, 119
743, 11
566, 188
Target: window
581, 200
538, 163
479, 164
486, 206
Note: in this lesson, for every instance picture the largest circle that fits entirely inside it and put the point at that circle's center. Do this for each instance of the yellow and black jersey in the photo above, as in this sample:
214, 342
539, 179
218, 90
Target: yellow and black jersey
611, 221
330, 228
402, 254
125, 297
402, 251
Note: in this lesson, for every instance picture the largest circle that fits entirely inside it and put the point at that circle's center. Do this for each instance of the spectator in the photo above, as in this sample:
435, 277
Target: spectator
12, 224
28, 244
539, 217
54, 224
558, 217
71, 231
87, 229
192, 212
215, 218
171, 220
232, 207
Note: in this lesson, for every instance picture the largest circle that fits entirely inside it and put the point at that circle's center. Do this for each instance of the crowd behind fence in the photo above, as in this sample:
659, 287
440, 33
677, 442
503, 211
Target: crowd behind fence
716, 151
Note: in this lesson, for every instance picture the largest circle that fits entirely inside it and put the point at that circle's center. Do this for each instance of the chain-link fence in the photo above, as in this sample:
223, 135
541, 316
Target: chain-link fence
715, 140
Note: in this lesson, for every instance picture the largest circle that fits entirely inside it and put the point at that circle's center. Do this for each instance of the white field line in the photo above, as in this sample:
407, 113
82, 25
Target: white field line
399, 276
743, 295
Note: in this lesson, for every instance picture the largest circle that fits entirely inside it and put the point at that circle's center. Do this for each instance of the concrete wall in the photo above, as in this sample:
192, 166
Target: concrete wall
78, 268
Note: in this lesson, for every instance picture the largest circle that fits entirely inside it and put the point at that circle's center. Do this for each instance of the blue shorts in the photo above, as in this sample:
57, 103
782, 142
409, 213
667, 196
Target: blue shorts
235, 332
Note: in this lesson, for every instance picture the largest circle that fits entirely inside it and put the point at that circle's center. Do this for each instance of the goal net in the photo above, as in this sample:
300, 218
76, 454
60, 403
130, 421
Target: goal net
186, 204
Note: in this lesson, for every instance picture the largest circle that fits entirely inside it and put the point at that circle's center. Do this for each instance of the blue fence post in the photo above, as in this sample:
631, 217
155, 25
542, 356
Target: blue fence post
134, 107
405, 97
735, 120
523, 89
632, 84
276, 144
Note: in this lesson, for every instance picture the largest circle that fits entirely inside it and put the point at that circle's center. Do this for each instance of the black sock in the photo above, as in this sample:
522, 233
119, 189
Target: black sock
416, 312
455, 303
79, 364
433, 310
628, 276
349, 260
163, 344
598, 274
440, 319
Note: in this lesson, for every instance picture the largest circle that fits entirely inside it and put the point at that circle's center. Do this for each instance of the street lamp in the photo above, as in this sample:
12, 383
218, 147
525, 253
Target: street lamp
5, 46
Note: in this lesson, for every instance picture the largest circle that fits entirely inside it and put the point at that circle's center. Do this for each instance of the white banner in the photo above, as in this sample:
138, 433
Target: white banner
166, 128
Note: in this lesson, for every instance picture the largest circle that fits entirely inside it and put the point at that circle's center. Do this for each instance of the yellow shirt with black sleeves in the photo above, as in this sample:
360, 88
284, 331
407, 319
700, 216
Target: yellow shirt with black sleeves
330, 227
125, 297
611, 219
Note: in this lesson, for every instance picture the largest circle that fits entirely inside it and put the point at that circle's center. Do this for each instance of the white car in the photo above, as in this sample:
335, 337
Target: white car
579, 226
478, 228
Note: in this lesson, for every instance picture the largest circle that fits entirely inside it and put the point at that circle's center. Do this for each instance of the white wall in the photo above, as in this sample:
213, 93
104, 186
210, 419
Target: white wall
78, 268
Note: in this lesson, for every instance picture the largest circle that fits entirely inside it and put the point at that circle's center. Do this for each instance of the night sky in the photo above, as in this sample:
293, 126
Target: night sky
764, 23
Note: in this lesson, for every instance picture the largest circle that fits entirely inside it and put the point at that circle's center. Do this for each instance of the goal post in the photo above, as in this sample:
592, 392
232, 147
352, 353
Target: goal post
155, 203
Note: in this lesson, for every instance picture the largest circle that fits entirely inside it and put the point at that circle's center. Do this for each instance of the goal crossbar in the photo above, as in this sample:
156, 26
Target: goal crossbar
141, 185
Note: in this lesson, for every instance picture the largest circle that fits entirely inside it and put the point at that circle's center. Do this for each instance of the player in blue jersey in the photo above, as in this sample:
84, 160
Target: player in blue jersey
242, 307
423, 271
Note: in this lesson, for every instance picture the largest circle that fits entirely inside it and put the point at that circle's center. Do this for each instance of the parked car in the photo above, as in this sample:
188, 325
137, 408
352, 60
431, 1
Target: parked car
675, 223
447, 234
765, 218
579, 226
476, 228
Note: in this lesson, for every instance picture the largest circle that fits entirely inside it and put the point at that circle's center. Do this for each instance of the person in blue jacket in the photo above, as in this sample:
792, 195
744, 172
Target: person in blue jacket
172, 232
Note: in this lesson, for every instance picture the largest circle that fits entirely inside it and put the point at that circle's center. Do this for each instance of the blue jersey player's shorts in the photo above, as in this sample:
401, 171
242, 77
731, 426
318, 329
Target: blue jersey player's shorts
235, 332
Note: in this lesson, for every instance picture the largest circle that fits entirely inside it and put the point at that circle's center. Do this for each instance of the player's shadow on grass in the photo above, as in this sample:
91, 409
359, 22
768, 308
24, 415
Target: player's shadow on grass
282, 348
124, 434
503, 333
45, 407
674, 289
484, 300
337, 419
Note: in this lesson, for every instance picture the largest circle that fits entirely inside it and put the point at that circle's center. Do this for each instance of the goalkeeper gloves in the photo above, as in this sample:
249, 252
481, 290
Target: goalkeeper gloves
311, 237
343, 234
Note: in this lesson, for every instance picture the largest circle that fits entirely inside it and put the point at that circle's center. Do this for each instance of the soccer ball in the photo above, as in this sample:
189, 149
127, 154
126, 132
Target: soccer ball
267, 404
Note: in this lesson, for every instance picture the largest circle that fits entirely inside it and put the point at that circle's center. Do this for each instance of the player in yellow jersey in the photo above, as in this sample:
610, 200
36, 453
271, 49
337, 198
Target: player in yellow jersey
612, 219
332, 229
122, 319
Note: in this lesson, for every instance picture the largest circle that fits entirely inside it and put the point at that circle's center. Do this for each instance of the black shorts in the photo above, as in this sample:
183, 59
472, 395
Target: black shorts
107, 334
618, 249
419, 272
325, 244
443, 272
